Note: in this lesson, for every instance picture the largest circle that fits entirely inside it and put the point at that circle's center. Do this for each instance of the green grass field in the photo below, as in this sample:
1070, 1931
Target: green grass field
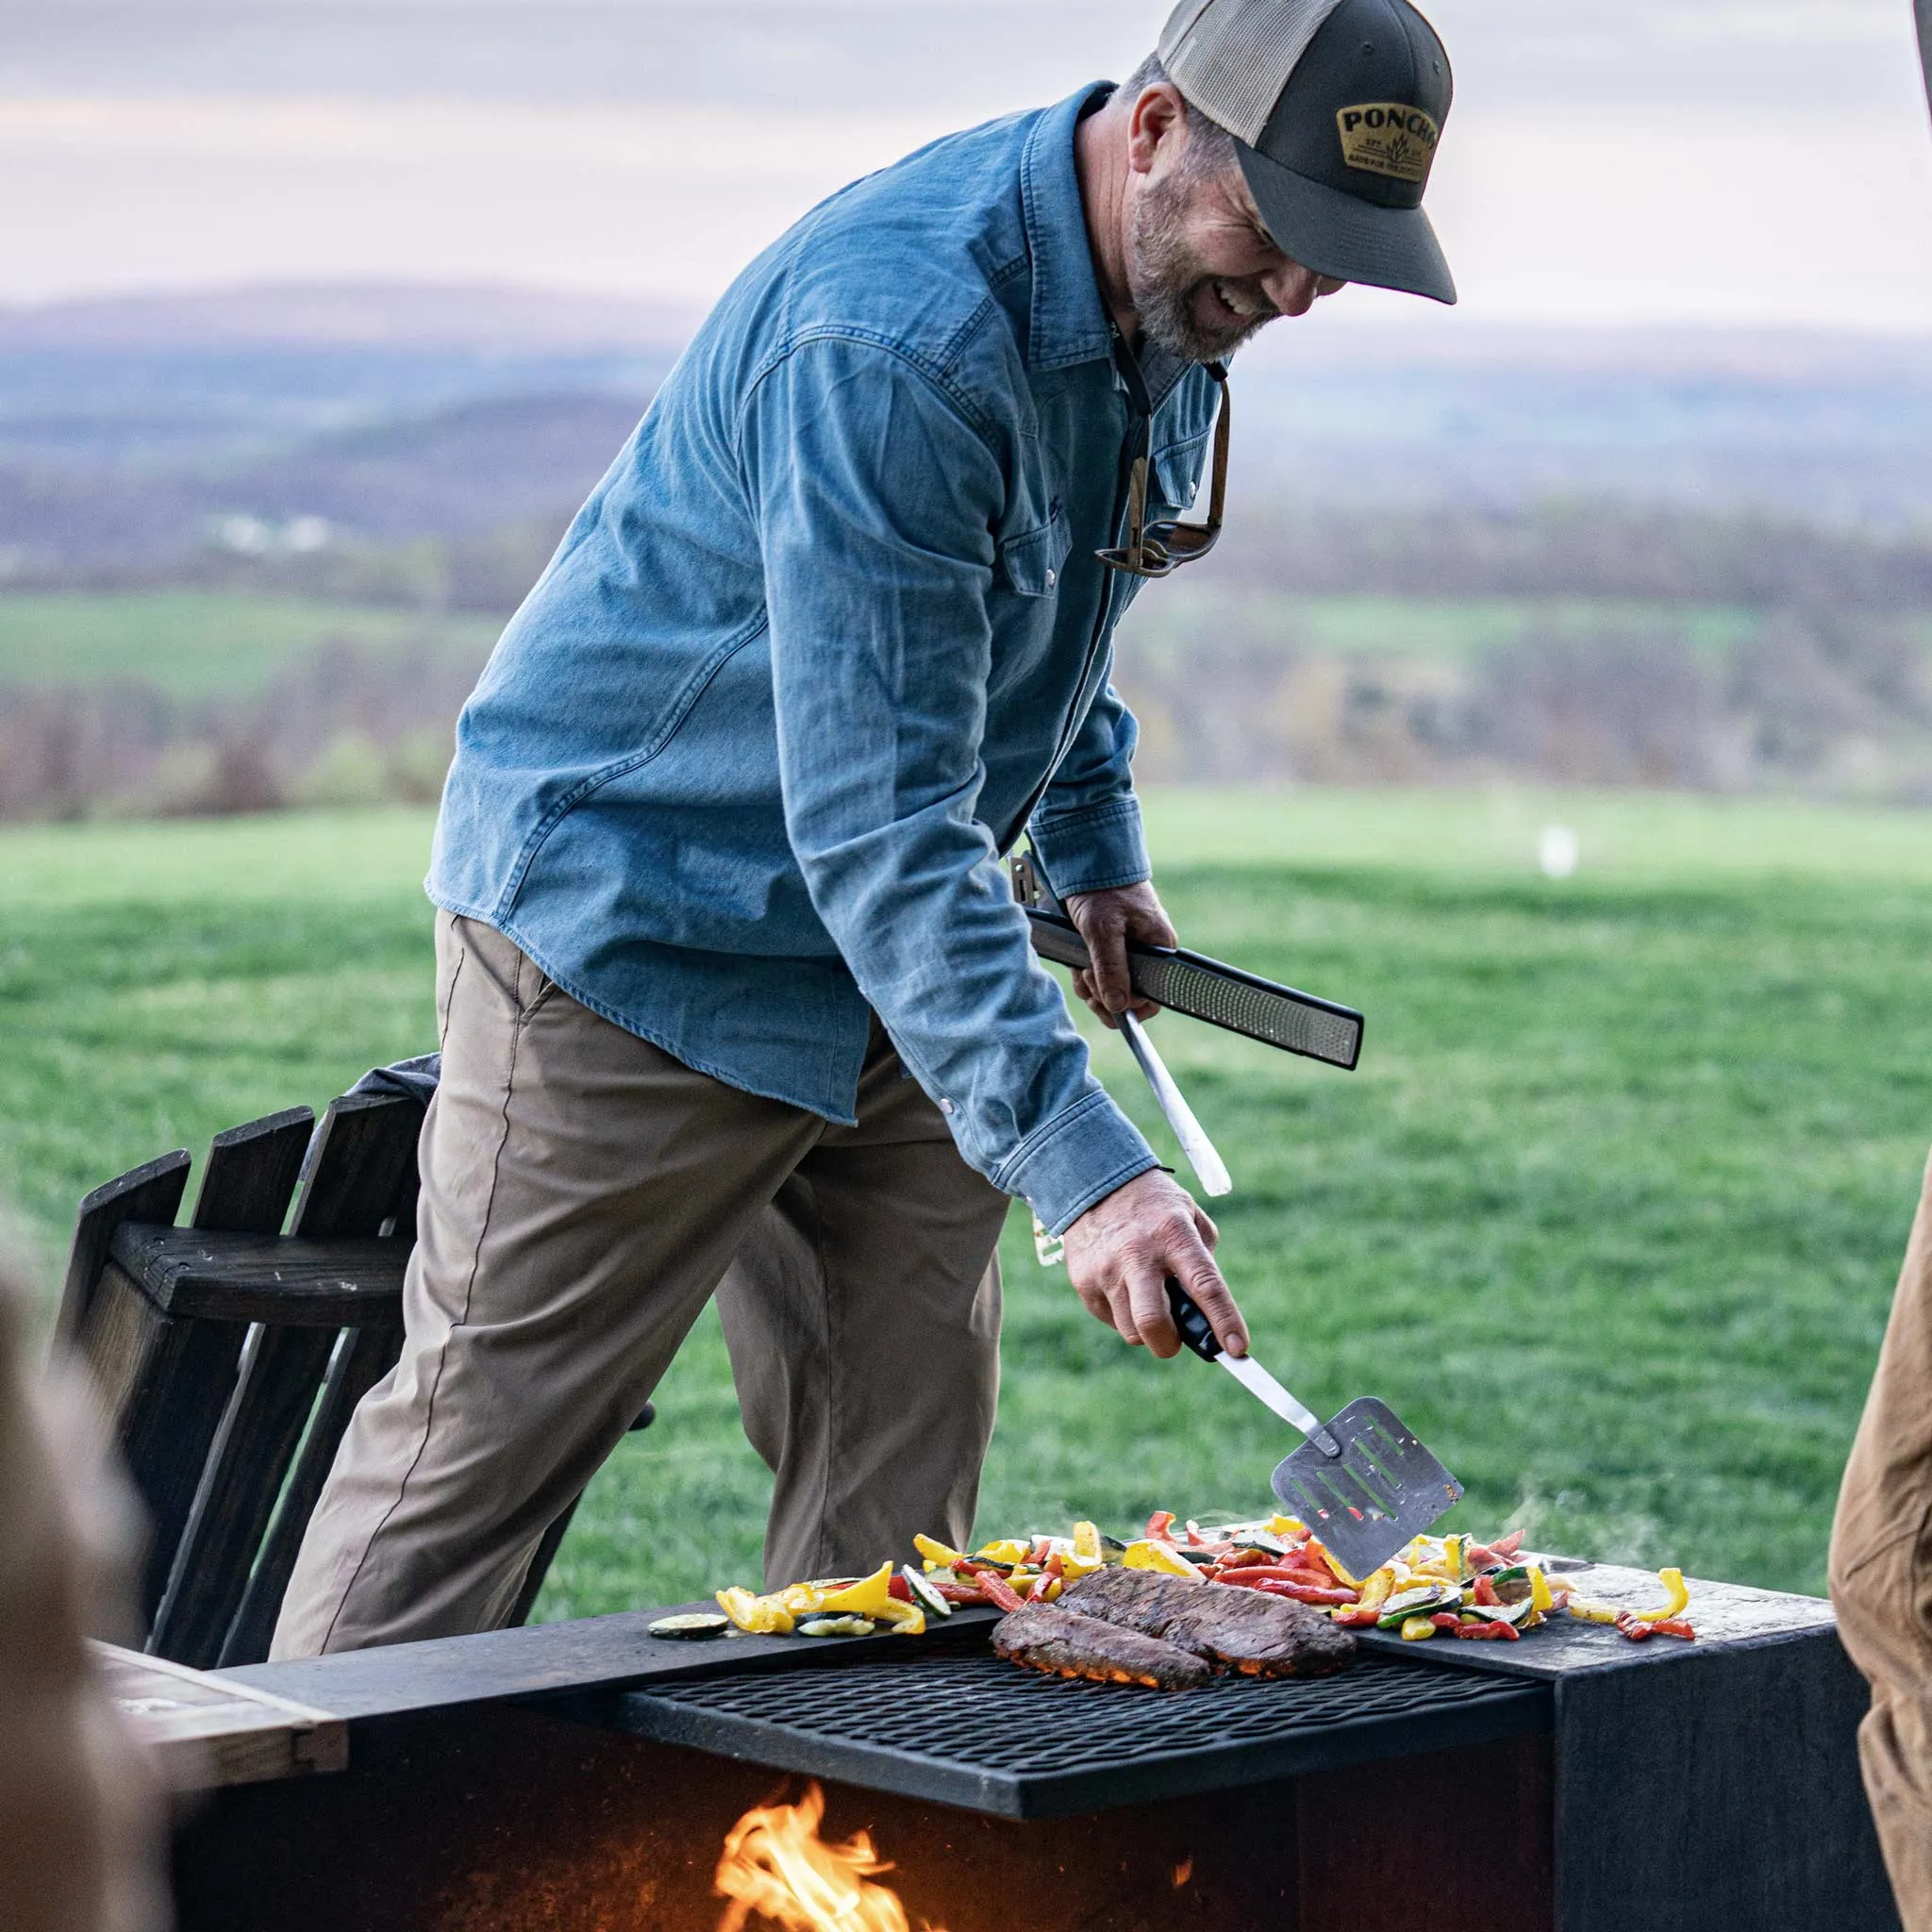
1612, 1211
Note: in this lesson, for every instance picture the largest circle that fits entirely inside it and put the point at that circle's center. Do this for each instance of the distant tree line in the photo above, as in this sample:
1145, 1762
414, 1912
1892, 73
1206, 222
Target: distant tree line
1829, 693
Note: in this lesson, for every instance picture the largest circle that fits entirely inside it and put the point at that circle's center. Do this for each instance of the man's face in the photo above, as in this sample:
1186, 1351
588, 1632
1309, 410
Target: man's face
1204, 273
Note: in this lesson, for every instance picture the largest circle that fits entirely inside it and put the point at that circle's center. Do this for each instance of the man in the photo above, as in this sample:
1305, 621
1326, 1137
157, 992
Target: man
1881, 1543
733, 995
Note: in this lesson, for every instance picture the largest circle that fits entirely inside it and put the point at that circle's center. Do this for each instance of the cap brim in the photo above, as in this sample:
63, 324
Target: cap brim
1335, 235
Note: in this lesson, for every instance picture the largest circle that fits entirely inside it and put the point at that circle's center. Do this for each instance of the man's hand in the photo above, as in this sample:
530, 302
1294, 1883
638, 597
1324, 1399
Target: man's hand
1107, 921
1121, 1250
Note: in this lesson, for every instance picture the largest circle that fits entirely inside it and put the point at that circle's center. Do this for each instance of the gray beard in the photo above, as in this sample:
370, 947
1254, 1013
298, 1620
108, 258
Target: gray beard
1165, 275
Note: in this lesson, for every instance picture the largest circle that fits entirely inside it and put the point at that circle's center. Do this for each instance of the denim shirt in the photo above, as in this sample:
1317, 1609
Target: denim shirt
823, 642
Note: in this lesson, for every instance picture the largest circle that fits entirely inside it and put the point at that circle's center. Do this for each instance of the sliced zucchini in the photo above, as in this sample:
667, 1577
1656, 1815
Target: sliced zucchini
923, 1595
838, 1627
690, 1626
1424, 1600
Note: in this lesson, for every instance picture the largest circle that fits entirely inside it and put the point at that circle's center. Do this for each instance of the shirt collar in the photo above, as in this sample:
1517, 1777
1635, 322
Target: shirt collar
1068, 320
1067, 323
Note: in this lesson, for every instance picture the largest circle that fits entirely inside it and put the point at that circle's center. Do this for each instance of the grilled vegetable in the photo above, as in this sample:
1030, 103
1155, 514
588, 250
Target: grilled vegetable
1672, 1580
1490, 1631
1149, 1554
838, 1627
1414, 1629
690, 1625
1409, 1603
763, 1616
924, 1593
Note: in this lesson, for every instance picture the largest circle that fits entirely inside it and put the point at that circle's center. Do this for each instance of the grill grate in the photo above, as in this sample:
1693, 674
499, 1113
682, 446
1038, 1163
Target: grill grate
982, 1733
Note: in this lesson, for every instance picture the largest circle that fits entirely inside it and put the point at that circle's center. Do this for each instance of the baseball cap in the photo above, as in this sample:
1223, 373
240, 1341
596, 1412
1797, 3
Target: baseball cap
1335, 108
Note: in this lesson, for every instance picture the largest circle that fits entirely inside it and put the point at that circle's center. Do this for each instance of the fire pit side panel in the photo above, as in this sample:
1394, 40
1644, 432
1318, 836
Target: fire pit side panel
1722, 1789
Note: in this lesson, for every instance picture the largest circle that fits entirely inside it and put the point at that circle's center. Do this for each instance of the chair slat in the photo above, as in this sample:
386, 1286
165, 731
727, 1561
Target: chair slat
166, 1383
152, 1192
273, 1396
362, 1357
361, 1168
251, 1173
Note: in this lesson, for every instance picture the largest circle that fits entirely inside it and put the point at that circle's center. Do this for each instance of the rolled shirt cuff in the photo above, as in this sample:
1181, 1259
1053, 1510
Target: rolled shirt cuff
1078, 1157
1094, 849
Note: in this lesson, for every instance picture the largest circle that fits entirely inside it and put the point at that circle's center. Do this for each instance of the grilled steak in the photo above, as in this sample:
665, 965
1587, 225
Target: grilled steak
1241, 1629
1044, 1638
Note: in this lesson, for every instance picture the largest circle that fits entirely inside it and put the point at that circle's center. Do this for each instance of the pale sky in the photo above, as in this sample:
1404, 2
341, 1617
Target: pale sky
1767, 164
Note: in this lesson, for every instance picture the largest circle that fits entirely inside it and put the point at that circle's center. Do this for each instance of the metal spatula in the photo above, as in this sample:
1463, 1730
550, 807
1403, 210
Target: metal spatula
1364, 1482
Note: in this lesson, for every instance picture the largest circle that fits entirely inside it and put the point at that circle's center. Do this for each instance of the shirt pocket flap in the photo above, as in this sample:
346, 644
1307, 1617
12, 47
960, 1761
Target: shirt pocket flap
1031, 562
1177, 472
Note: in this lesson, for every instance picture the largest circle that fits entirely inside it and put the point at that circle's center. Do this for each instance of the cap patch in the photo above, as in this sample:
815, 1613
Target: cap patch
1388, 138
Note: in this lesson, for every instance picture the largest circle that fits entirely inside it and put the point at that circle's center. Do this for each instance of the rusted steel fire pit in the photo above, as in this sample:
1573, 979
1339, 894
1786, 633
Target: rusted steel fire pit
581, 1776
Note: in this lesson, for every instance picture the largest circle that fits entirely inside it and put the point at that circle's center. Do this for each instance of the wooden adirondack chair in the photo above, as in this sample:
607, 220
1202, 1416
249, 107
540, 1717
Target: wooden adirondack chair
231, 1355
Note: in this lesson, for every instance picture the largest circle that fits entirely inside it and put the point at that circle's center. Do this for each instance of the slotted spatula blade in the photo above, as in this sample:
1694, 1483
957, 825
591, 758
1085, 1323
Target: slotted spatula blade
1363, 1484
1382, 1491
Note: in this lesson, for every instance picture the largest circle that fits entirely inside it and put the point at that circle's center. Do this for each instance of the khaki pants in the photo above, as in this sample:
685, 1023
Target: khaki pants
1881, 1580
583, 1195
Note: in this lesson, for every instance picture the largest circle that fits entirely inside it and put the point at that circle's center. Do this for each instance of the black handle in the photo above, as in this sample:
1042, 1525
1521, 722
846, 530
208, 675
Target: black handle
1195, 1328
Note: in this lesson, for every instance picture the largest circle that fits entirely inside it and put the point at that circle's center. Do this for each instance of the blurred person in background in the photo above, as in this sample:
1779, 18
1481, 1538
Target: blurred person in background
80, 1815
1881, 1579
1881, 1543
732, 990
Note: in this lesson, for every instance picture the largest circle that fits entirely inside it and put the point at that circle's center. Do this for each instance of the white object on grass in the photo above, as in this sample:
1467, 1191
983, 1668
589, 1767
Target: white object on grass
1557, 852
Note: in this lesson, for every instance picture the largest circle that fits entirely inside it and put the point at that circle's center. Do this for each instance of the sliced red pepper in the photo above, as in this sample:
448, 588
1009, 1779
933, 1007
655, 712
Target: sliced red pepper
1248, 1559
1485, 1593
999, 1592
1501, 1552
1356, 1618
1055, 1570
1446, 1619
959, 1592
1280, 1586
1494, 1632
1160, 1526
900, 1588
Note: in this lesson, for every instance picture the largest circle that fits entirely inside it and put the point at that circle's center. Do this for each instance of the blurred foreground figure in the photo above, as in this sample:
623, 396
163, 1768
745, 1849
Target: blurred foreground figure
80, 1813
1881, 1579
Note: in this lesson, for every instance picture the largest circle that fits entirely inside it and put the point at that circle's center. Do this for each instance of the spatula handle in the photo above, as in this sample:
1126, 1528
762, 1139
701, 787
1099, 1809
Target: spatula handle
1193, 1326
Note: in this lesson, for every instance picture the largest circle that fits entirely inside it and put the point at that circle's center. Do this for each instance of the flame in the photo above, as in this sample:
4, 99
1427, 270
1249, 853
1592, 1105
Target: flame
775, 1864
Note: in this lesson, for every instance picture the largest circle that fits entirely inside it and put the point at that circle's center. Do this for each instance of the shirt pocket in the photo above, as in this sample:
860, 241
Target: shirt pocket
1032, 561
1178, 468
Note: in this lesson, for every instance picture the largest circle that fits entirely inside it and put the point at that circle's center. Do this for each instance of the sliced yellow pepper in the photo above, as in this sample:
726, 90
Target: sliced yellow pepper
1414, 1629
868, 1597
1279, 1524
904, 1620
1452, 1555
1585, 1610
763, 1616
1087, 1547
937, 1556
1145, 1555
1672, 1580
1539, 1593
1327, 1556
1007, 1550
1377, 1588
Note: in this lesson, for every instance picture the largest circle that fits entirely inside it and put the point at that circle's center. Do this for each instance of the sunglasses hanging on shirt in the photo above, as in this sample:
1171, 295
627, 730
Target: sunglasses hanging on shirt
1160, 548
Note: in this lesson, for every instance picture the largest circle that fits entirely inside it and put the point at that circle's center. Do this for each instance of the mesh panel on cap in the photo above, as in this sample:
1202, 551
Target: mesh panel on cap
1232, 57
